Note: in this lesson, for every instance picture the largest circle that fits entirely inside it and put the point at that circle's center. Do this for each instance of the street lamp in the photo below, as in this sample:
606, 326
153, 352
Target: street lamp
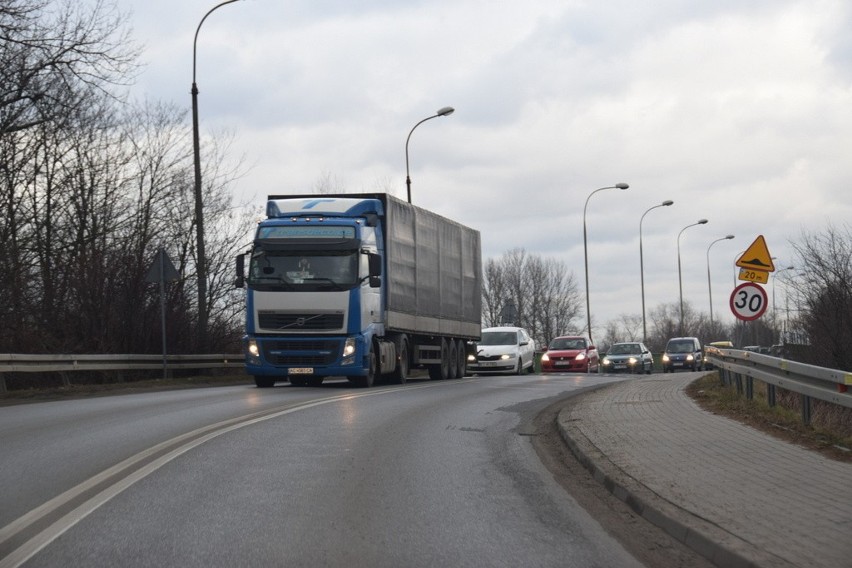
586, 252
679, 274
446, 111
665, 203
201, 267
709, 287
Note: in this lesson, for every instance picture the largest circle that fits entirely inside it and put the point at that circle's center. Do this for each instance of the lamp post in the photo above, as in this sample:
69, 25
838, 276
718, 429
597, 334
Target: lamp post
774, 309
201, 268
679, 273
446, 111
586, 252
709, 286
665, 203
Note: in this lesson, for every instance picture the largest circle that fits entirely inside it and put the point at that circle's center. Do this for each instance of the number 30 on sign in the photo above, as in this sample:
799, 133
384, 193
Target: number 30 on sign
748, 301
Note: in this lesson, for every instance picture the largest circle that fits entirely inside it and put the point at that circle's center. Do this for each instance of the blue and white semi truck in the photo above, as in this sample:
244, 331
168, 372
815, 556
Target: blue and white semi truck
362, 286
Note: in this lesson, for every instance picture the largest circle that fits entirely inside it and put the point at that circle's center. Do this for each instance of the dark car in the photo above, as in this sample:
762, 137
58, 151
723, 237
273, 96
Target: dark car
683, 353
628, 357
570, 353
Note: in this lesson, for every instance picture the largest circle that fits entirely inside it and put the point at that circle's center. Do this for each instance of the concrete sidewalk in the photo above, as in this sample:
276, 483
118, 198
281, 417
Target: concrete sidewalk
736, 495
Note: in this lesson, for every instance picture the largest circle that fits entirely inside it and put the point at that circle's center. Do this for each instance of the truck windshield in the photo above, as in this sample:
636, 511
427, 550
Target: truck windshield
303, 270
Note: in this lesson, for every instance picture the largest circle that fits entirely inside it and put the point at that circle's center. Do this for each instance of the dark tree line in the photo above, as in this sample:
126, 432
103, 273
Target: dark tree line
91, 187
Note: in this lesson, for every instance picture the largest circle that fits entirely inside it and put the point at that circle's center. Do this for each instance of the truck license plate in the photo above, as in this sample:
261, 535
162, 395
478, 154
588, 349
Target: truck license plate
300, 371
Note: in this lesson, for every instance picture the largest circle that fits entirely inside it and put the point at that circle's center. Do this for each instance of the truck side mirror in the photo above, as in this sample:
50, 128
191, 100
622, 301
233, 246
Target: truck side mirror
374, 262
240, 281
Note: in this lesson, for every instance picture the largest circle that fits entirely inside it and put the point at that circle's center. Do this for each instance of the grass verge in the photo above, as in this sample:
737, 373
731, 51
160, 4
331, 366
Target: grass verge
830, 432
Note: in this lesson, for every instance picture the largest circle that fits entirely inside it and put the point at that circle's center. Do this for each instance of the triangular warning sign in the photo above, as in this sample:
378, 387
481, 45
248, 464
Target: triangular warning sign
757, 257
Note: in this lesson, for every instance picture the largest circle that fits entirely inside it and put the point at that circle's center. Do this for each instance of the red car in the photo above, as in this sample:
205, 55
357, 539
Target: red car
570, 354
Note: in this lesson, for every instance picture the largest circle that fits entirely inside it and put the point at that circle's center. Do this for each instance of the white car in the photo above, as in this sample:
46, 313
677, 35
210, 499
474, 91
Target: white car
508, 350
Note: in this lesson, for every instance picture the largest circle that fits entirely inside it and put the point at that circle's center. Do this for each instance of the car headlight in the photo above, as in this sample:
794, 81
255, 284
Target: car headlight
632, 360
606, 361
505, 356
580, 356
690, 358
665, 358
545, 357
471, 358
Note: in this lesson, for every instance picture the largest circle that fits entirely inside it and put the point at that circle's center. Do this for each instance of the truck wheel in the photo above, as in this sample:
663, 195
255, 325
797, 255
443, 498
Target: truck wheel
368, 380
400, 374
461, 358
439, 372
264, 382
452, 360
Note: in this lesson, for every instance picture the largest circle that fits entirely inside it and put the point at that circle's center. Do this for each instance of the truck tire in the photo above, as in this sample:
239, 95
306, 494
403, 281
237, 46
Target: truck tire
452, 360
369, 379
461, 358
400, 374
264, 382
440, 372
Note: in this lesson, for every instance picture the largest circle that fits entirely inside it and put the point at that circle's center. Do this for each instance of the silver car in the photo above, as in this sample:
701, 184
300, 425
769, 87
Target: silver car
628, 357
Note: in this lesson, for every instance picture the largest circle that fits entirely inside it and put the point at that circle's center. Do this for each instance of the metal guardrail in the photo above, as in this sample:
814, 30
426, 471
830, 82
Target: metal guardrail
17, 363
809, 381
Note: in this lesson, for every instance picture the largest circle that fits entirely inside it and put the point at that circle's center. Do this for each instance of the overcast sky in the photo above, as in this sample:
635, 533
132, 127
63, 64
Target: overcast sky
740, 111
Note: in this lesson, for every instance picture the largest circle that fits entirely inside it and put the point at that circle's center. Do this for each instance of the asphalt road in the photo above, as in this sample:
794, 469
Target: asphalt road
423, 474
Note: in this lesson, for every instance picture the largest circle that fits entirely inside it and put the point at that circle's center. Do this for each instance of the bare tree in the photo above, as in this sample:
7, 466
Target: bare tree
825, 293
543, 291
55, 55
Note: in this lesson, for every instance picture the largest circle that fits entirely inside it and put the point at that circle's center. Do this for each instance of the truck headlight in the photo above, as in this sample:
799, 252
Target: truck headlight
349, 350
253, 352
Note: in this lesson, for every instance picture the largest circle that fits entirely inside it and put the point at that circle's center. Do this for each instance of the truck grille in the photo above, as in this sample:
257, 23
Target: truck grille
300, 322
301, 353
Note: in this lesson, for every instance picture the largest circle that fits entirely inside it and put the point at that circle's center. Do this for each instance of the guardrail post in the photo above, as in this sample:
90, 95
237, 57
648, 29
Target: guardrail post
806, 409
750, 388
723, 377
739, 380
770, 394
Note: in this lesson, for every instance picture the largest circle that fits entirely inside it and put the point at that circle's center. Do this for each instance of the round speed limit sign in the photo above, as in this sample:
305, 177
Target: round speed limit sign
748, 301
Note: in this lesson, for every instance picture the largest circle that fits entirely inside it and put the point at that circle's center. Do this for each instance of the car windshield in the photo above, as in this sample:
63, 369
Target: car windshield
625, 349
568, 343
680, 347
499, 338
